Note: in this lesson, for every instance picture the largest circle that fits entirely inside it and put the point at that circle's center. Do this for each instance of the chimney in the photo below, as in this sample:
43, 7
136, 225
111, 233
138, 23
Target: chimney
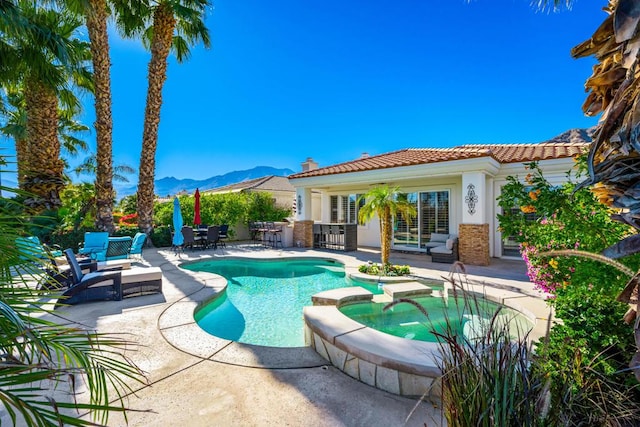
364, 155
309, 165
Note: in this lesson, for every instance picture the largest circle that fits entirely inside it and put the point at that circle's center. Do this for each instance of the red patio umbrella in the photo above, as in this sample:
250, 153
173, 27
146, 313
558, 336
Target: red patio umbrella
196, 209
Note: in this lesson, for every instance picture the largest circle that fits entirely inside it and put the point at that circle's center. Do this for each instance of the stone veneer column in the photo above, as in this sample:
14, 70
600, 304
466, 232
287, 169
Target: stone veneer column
303, 233
473, 244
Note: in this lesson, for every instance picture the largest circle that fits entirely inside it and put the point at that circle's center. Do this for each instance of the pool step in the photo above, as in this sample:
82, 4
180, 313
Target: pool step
341, 296
406, 289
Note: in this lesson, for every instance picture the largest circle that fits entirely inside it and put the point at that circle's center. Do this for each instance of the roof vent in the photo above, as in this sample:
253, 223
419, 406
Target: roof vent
309, 165
364, 155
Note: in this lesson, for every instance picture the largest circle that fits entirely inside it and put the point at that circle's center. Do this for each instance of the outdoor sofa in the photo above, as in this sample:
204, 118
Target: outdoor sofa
443, 247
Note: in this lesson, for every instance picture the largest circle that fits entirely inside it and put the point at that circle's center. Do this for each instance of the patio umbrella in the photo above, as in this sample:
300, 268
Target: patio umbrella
196, 209
178, 239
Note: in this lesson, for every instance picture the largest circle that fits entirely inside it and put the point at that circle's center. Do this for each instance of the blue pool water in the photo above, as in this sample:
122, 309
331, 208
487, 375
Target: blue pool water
406, 321
264, 298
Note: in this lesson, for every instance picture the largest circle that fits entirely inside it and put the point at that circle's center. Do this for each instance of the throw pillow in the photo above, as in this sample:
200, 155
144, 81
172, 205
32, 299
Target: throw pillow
449, 244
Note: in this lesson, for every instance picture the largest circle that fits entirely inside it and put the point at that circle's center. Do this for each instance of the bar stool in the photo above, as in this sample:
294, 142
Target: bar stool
276, 236
317, 235
325, 233
336, 237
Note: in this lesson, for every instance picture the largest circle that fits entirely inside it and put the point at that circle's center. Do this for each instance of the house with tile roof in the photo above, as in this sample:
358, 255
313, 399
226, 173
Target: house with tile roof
279, 187
454, 190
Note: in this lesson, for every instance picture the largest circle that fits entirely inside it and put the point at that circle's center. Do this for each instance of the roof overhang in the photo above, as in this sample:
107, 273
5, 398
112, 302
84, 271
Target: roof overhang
487, 165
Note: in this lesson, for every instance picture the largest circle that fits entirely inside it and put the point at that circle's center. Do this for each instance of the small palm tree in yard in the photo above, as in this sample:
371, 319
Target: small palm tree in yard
386, 203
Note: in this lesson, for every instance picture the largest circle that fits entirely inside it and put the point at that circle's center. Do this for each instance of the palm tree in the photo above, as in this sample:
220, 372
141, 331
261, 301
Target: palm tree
51, 58
96, 13
384, 201
90, 167
16, 128
177, 25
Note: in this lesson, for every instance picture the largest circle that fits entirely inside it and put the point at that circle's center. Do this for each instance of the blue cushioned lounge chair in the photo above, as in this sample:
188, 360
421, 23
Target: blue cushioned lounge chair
95, 245
137, 244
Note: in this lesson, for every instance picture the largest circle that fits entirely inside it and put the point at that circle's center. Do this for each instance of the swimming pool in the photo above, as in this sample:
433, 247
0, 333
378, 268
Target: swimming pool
264, 298
406, 321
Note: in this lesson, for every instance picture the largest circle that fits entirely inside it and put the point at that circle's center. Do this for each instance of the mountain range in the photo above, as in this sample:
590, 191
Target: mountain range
170, 186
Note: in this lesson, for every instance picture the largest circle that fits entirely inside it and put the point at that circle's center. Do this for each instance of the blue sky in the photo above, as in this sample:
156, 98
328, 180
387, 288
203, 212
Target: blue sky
288, 79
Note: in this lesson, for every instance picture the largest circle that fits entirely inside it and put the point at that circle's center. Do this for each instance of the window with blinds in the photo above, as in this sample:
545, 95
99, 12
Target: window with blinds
334, 208
344, 209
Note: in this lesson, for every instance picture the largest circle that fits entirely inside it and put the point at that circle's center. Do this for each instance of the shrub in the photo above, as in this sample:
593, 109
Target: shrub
161, 236
588, 350
386, 270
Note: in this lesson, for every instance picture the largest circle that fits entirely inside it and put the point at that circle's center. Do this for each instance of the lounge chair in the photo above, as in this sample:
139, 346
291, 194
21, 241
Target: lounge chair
91, 286
137, 244
36, 257
95, 245
109, 285
31, 248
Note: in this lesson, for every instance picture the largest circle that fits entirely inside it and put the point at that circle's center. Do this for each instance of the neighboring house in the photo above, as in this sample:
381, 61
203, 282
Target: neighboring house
455, 191
278, 186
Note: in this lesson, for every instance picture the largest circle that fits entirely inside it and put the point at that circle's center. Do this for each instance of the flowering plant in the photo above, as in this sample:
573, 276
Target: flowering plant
131, 219
543, 217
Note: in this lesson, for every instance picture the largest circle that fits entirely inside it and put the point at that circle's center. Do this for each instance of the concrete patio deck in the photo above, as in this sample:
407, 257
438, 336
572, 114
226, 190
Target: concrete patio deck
232, 384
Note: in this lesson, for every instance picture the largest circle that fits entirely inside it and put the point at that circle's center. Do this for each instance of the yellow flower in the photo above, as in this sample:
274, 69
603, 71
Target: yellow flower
527, 209
553, 263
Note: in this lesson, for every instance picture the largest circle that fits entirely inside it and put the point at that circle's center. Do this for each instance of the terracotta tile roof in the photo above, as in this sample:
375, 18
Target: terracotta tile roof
506, 153
265, 183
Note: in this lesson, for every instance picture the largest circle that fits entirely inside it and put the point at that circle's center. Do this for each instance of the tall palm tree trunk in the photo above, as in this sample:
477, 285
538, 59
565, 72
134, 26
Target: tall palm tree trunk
97, 28
44, 177
385, 229
22, 160
163, 25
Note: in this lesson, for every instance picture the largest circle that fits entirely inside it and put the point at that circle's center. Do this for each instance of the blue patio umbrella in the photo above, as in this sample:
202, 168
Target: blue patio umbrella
178, 239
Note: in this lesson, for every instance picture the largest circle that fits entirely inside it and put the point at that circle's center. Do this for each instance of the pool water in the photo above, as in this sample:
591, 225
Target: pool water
264, 298
406, 321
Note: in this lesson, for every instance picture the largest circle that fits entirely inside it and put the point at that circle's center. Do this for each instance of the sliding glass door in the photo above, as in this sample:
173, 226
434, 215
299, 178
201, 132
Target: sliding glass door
406, 233
433, 217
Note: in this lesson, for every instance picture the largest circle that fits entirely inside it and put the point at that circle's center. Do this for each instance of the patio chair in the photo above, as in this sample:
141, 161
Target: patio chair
95, 245
223, 235
137, 244
91, 286
31, 249
190, 239
213, 236
118, 247
39, 259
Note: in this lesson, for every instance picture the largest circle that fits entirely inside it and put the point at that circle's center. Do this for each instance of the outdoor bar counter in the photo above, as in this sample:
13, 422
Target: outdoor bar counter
340, 237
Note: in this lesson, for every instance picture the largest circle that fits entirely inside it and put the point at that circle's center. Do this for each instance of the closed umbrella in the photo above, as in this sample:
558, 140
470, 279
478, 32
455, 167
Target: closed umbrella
178, 239
196, 209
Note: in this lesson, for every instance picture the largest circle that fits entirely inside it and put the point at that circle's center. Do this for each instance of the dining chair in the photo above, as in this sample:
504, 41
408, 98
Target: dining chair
213, 236
190, 239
